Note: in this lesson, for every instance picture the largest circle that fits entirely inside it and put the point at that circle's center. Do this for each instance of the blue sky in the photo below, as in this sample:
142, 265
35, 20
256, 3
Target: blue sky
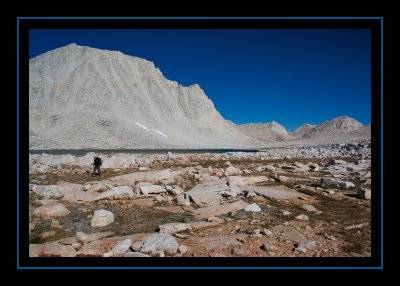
254, 75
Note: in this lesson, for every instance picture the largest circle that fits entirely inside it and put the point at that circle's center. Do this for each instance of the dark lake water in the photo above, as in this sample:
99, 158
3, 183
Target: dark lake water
136, 151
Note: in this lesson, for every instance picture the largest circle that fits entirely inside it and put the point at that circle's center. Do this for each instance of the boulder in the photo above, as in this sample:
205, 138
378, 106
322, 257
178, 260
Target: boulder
32, 187
268, 247
160, 242
141, 184
102, 218
182, 249
121, 248
48, 191
51, 210
284, 212
303, 246
253, 208
301, 166
335, 183
182, 200
363, 193
309, 208
38, 168
270, 168
232, 171
117, 193
240, 251
153, 189
302, 217
96, 187
174, 190
337, 162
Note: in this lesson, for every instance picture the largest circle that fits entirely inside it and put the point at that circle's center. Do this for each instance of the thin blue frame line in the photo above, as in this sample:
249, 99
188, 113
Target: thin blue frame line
202, 18
195, 267
17, 193
382, 143
382, 152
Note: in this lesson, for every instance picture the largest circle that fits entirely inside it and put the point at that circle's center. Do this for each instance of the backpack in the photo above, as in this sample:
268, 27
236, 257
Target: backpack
97, 161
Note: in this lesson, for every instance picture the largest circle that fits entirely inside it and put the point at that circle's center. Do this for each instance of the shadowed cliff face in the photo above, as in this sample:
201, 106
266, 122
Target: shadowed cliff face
80, 97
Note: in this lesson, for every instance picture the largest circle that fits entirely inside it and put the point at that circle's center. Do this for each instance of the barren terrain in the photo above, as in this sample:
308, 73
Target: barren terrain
284, 202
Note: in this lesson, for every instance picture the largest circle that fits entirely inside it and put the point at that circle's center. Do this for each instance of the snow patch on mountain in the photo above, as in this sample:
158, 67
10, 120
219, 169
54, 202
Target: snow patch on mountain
143, 126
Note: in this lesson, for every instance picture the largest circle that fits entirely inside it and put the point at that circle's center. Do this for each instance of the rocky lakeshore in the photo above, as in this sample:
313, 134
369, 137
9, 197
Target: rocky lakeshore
312, 201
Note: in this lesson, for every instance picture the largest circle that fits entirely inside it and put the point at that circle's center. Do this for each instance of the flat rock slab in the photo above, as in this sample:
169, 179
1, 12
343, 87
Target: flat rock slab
208, 194
241, 181
285, 179
137, 237
152, 189
97, 248
131, 179
218, 242
75, 193
136, 254
39, 203
173, 227
52, 249
68, 240
87, 238
219, 210
35, 250
279, 194
203, 224
288, 233
173, 209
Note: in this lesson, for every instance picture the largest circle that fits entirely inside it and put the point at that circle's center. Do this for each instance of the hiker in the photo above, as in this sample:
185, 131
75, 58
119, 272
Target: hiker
96, 165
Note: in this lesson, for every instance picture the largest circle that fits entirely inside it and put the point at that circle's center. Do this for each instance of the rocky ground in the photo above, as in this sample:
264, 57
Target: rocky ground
284, 202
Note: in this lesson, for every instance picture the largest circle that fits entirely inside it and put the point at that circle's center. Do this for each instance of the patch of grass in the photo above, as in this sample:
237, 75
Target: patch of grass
60, 234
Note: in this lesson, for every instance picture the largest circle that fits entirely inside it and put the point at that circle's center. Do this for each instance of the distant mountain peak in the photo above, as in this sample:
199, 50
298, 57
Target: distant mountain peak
303, 130
270, 131
341, 124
